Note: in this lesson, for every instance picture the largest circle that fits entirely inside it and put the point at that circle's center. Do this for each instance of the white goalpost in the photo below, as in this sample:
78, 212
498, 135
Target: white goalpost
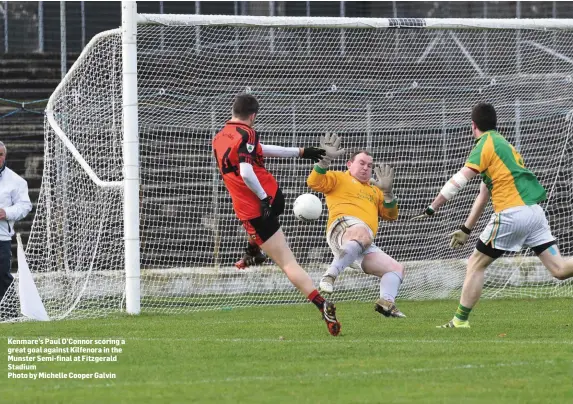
133, 215
130, 157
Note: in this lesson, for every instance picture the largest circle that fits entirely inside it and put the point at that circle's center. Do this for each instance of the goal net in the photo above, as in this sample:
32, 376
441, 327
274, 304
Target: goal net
402, 89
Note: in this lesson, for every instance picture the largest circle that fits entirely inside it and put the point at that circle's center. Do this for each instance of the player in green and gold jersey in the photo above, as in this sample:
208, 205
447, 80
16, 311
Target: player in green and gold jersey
517, 221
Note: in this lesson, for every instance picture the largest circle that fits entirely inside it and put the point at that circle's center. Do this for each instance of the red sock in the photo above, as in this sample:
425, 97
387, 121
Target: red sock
317, 299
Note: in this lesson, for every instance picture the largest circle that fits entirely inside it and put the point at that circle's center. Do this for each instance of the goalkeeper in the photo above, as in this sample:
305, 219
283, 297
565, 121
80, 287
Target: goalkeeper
355, 203
518, 219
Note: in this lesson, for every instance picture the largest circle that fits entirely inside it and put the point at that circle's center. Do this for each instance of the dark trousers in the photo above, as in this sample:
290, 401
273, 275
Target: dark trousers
6, 277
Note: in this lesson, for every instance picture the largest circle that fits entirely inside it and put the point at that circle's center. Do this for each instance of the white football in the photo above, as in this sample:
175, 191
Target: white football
307, 207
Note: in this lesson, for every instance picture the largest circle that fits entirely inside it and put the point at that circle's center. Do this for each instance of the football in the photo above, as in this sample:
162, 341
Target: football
307, 207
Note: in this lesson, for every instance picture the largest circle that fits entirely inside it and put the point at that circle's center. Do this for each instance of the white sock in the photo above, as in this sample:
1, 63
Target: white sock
351, 250
389, 285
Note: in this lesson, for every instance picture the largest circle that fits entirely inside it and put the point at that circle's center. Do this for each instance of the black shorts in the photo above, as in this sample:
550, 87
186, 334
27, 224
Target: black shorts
259, 229
488, 250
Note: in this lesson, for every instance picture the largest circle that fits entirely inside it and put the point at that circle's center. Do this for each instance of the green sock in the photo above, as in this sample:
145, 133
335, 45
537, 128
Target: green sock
462, 313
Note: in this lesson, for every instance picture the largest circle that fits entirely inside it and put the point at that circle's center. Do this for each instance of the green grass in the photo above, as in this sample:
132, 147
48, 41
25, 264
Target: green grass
517, 351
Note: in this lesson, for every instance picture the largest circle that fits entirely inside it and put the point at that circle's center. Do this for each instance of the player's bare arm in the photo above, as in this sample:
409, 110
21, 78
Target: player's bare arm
449, 191
460, 237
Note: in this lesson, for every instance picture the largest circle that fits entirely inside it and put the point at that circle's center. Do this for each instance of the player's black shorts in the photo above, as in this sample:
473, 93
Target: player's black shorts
259, 229
488, 250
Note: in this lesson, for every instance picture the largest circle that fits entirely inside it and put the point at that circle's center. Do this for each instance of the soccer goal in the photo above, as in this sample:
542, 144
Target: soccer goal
134, 216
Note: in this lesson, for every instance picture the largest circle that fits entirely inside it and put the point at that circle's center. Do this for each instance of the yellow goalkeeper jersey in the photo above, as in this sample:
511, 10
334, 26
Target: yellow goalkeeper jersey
346, 196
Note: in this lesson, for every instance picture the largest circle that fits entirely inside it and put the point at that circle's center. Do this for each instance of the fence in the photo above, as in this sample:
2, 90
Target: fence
39, 26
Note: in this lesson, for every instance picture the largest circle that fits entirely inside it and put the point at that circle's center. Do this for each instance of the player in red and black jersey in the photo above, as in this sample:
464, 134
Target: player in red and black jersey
258, 200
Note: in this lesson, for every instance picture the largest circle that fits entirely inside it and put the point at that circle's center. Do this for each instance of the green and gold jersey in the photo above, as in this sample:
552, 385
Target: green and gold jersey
503, 171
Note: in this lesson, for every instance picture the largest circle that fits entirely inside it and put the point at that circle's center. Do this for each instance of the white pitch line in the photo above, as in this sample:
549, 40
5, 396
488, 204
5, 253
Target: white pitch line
330, 341
501, 340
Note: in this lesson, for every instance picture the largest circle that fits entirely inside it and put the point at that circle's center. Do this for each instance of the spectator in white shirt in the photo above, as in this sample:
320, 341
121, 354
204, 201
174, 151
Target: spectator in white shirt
14, 205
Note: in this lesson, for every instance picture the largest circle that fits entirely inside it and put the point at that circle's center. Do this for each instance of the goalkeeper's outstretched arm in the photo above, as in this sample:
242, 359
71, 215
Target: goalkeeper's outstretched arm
388, 210
322, 180
384, 182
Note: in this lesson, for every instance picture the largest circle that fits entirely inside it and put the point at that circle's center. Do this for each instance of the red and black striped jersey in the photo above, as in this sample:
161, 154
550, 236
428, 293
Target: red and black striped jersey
239, 143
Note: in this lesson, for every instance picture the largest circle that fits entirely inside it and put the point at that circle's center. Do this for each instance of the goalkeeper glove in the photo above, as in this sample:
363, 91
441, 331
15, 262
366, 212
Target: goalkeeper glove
331, 145
384, 179
427, 213
266, 207
459, 237
313, 153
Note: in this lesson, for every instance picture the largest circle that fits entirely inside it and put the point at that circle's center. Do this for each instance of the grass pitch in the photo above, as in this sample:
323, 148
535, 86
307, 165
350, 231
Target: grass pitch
517, 351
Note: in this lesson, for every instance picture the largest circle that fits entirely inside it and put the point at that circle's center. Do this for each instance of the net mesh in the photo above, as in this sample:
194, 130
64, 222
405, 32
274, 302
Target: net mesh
404, 94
